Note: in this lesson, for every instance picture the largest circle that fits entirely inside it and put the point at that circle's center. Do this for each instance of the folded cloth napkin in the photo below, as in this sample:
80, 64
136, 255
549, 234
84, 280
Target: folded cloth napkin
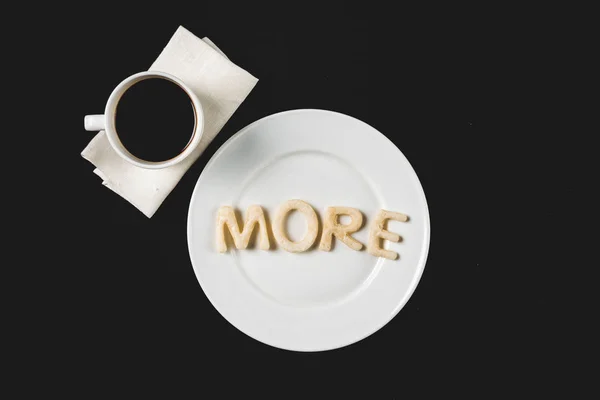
221, 87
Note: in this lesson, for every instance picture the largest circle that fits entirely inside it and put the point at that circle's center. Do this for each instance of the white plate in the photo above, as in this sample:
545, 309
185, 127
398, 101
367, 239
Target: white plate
314, 300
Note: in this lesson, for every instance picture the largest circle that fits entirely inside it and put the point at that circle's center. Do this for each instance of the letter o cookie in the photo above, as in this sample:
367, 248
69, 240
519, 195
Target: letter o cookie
279, 226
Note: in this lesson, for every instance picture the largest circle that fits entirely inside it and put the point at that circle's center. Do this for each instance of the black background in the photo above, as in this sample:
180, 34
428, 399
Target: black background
458, 91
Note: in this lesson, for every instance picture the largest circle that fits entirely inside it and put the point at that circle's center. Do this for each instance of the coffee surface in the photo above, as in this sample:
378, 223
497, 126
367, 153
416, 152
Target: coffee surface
155, 119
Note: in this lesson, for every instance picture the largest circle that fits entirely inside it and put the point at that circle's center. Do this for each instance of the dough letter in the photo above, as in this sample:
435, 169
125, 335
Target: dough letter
279, 226
378, 232
226, 219
332, 227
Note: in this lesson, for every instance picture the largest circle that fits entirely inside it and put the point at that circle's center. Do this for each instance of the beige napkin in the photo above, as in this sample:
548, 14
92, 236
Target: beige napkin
221, 87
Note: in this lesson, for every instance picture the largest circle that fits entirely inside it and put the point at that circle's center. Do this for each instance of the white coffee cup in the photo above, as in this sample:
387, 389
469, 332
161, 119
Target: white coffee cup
106, 122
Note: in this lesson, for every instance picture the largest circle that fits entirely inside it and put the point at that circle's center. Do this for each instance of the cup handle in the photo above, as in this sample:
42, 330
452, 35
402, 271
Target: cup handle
94, 122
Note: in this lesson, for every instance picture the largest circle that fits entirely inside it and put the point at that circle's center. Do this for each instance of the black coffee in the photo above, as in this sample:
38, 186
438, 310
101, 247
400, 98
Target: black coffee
155, 119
